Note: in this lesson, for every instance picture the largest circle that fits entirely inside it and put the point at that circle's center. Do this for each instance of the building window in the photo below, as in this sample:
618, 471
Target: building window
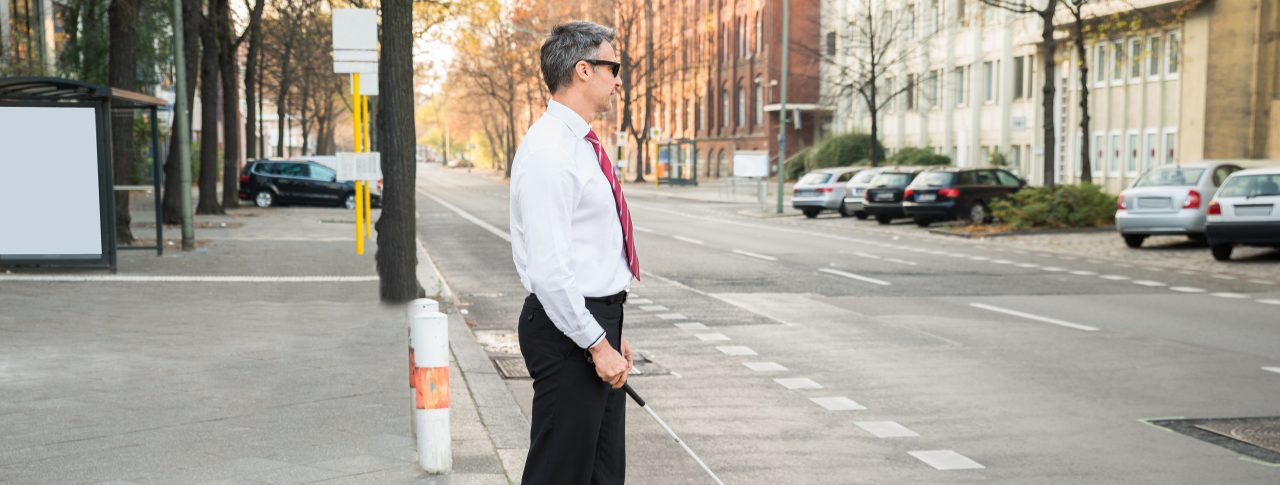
1100, 152
1076, 155
1170, 146
909, 16
759, 102
724, 103
932, 93
1172, 55
1113, 162
1117, 61
989, 81
759, 32
702, 114
1153, 57
1150, 150
1100, 64
742, 106
960, 12
1131, 153
911, 92
1135, 60
1019, 77
831, 43
931, 18
961, 76
888, 92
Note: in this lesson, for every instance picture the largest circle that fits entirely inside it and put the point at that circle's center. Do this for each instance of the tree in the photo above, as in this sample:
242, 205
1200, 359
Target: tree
122, 73
228, 66
191, 20
251, 76
397, 255
873, 45
210, 38
1048, 54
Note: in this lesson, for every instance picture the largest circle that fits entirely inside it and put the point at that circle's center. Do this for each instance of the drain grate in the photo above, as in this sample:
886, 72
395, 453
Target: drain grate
1255, 437
514, 368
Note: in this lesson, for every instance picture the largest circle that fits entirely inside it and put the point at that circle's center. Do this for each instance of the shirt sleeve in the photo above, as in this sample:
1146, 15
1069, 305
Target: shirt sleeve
547, 195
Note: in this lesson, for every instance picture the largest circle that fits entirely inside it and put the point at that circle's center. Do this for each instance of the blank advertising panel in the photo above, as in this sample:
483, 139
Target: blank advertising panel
49, 187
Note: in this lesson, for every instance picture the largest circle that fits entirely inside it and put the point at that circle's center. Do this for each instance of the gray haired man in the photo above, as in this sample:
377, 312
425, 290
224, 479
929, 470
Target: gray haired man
572, 243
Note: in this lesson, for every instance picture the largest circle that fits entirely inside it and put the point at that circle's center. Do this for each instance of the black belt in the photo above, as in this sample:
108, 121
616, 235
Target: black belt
618, 299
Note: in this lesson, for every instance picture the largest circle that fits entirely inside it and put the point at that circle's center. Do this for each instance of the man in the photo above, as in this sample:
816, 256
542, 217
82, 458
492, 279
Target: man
572, 245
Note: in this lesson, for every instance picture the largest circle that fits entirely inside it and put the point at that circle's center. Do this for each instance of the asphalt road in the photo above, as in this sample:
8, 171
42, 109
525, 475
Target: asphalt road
833, 351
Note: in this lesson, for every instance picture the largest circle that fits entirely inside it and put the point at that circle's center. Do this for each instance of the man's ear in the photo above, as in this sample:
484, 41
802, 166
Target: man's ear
582, 69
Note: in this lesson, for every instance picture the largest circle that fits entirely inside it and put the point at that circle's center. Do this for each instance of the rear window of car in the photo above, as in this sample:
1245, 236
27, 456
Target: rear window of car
934, 179
864, 177
891, 179
1170, 177
1251, 186
815, 178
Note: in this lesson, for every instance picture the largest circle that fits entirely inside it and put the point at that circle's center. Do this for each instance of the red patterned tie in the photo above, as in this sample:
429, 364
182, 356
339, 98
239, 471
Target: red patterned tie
624, 214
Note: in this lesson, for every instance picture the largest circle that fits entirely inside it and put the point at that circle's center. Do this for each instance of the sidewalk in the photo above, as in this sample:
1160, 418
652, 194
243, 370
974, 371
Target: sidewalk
728, 189
262, 357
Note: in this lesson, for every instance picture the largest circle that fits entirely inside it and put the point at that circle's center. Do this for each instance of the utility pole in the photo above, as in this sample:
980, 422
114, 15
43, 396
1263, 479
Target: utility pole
782, 102
183, 130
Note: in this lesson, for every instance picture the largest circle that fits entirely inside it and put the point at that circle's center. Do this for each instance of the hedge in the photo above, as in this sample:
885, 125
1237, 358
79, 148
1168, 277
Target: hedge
1060, 206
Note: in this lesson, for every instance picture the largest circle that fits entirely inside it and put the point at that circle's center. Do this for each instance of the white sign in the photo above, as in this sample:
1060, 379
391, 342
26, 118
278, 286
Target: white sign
346, 166
369, 166
369, 83
622, 138
750, 164
355, 40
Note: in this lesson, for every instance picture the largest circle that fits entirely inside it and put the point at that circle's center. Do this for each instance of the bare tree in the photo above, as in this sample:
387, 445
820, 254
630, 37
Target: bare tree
397, 255
122, 73
210, 40
251, 65
1048, 55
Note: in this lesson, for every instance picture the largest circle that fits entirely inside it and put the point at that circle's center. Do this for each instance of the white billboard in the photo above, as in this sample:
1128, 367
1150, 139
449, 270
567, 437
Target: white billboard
750, 164
49, 186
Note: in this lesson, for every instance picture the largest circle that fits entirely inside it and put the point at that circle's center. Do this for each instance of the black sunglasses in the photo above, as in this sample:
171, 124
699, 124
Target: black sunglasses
613, 66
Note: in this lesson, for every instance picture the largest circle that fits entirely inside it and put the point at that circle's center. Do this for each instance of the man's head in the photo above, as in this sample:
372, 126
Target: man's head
578, 62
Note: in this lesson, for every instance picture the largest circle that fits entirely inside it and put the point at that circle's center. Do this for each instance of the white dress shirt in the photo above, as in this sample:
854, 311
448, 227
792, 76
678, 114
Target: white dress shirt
566, 238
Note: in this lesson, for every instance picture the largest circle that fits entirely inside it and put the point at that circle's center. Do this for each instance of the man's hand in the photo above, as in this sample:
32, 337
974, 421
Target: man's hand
626, 354
610, 365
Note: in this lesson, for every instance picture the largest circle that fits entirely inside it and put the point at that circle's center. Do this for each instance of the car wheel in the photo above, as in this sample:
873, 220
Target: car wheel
264, 199
349, 202
884, 220
1221, 252
1196, 236
978, 213
844, 210
811, 213
922, 222
1134, 240
862, 216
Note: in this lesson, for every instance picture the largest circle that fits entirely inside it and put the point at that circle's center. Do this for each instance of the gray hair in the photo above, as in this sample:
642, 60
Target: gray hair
568, 44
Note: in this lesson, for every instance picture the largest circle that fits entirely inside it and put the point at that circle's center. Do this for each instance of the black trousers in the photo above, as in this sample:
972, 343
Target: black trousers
578, 432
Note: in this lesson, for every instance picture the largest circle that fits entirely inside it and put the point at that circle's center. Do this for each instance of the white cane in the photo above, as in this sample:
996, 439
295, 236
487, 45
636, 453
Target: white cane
632, 392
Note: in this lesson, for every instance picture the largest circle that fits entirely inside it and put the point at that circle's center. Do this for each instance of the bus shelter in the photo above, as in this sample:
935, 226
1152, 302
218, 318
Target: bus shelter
57, 204
678, 162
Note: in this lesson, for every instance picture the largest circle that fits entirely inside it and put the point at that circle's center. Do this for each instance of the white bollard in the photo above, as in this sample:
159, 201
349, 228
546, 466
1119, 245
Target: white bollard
420, 306
429, 355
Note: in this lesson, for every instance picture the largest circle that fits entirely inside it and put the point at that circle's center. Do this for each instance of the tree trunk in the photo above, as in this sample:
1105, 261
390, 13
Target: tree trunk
191, 19
209, 37
304, 98
1048, 49
397, 256
250, 75
122, 69
228, 65
286, 81
1086, 167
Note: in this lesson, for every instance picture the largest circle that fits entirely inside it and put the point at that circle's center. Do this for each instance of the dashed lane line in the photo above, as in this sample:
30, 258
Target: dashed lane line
738, 350
1149, 283
1272, 369
945, 460
691, 326
838, 403
886, 429
797, 383
765, 366
750, 254
852, 276
1229, 295
688, 240
1187, 289
712, 337
1270, 301
1037, 318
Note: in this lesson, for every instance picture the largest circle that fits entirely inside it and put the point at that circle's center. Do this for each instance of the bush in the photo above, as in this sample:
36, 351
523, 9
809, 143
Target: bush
842, 151
916, 156
1062, 206
998, 159
797, 164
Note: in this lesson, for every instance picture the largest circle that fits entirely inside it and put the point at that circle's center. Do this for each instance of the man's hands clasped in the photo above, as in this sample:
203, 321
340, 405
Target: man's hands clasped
611, 366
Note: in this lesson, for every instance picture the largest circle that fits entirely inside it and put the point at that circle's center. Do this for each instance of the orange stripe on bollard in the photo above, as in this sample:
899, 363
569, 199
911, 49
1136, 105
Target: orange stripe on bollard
431, 385
412, 366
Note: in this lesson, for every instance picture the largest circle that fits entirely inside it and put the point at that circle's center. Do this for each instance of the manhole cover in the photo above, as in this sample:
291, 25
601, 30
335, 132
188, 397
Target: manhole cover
513, 367
1255, 437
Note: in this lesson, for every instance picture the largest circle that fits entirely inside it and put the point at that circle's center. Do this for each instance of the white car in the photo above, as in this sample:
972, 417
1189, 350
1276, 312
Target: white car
1169, 200
1245, 211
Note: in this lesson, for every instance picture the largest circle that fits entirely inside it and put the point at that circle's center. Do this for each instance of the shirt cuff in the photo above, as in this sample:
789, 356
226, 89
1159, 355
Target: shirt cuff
591, 333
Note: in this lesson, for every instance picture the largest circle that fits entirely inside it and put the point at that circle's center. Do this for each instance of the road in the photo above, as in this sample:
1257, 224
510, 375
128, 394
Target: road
834, 351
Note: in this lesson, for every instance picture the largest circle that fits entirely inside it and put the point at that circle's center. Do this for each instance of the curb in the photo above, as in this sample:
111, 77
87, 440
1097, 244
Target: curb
1032, 232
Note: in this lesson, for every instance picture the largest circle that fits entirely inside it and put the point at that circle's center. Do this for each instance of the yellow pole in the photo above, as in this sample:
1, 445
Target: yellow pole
368, 199
356, 118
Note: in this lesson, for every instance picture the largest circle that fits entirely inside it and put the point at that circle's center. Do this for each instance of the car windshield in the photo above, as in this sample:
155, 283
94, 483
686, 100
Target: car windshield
1170, 177
864, 177
893, 180
935, 179
814, 178
1251, 186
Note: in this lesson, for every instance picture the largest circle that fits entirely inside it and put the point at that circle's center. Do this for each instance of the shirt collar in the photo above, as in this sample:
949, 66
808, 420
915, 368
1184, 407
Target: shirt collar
571, 118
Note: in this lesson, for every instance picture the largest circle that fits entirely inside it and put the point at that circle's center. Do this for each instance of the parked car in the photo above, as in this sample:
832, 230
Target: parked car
1169, 201
272, 182
947, 193
883, 200
821, 190
1245, 211
853, 191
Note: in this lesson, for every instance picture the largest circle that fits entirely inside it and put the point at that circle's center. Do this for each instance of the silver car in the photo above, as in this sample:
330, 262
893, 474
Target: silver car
822, 189
853, 191
1170, 200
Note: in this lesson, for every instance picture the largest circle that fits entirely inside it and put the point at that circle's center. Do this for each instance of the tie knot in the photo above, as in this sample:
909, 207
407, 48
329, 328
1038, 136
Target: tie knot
591, 135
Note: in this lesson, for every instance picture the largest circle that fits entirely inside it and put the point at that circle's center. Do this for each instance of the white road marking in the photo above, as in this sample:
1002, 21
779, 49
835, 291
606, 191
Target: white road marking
1230, 295
1149, 283
712, 337
688, 240
1094, 261
1084, 273
1122, 265
1002, 261
798, 383
691, 326
736, 350
900, 261
1262, 282
838, 403
854, 276
1188, 273
765, 366
1028, 265
653, 308
1053, 269
671, 316
979, 258
644, 230
1154, 270
639, 301
945, 460
865, 255
886, 429
1187, 289
1222, 277
750, 254
185, 279
1029, 316
1114, 277
1272, 369
1270, 302
466, 215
